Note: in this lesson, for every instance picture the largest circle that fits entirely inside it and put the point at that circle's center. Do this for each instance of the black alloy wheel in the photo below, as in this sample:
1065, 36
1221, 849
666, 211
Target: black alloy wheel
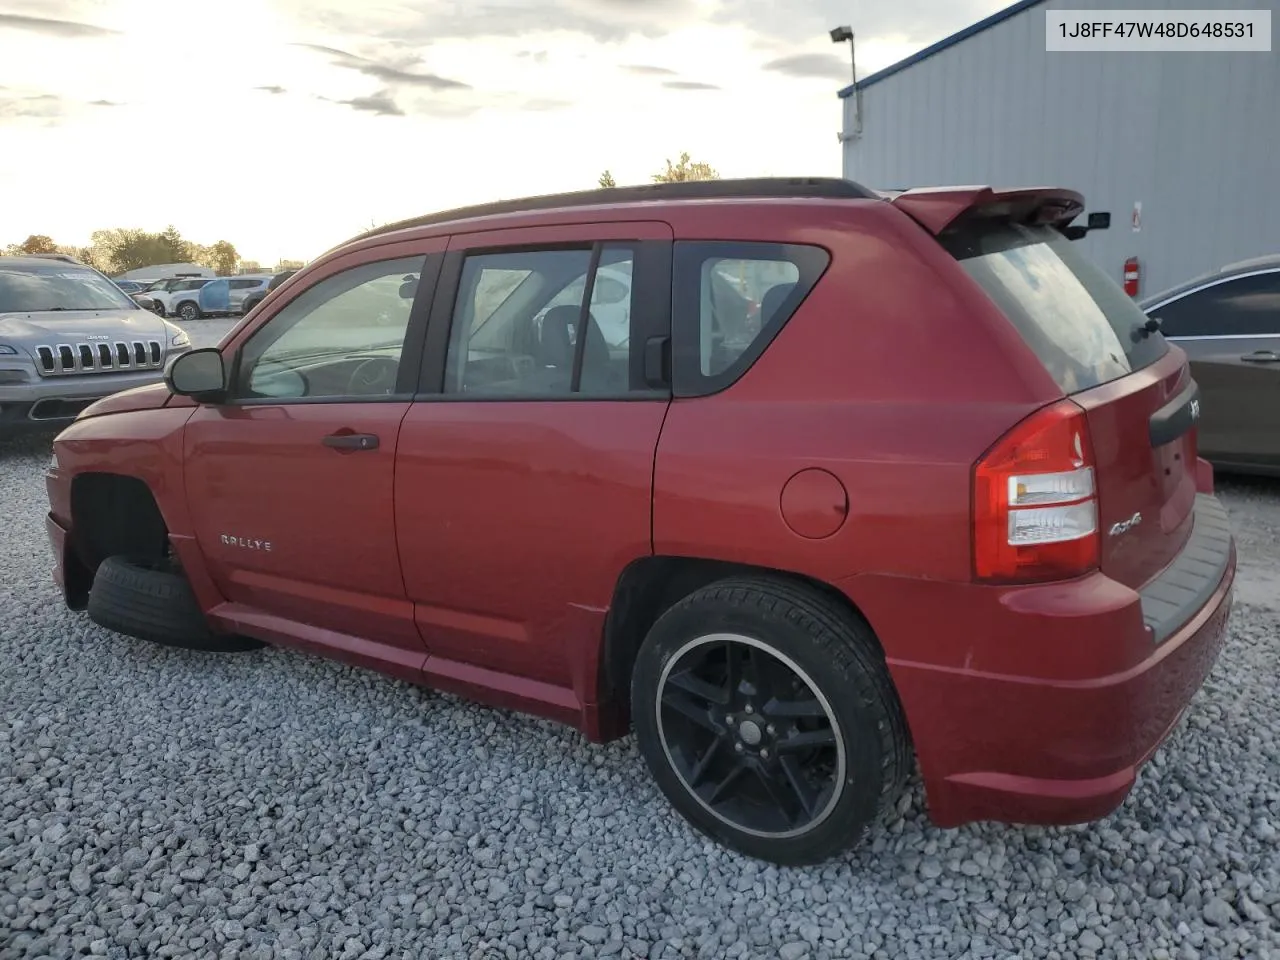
766, 713
750, 735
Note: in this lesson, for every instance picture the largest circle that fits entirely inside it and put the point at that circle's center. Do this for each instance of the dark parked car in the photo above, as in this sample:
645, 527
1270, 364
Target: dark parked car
937, 502
1228, 322
255, 297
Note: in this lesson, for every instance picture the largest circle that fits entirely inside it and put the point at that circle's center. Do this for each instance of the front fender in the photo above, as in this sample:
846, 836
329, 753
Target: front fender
144, 444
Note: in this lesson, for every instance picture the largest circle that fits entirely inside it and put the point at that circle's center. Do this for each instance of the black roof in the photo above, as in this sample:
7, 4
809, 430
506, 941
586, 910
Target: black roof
746, 188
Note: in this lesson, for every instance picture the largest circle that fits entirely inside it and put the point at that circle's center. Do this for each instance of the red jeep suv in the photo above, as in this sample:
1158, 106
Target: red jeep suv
806, 483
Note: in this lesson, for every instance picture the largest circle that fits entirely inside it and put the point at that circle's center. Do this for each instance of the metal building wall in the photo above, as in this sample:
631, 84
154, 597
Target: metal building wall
1193, 137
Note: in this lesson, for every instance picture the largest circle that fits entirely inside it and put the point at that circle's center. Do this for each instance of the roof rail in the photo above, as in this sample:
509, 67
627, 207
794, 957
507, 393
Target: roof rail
834, 188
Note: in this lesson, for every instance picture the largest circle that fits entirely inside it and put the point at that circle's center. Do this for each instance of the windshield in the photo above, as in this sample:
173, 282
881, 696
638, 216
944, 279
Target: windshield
1079, 322
58, 287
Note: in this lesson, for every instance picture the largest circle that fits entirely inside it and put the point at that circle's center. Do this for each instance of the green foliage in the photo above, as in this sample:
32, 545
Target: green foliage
221, 258
606, 180
686, 169
120, 249
36, 243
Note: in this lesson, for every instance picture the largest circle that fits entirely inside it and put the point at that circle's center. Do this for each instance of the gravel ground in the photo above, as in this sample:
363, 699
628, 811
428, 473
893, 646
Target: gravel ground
155, 803
207, 333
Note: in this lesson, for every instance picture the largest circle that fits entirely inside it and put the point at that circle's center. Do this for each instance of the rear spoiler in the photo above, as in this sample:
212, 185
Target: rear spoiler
937, 208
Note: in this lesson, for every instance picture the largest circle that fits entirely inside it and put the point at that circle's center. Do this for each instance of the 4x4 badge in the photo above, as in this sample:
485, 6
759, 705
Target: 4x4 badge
1124, 526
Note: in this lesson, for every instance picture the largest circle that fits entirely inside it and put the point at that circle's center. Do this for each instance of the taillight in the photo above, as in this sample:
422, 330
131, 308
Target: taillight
1035, 505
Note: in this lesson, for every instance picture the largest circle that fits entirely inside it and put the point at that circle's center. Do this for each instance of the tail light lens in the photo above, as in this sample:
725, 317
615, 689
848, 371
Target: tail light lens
1035, 504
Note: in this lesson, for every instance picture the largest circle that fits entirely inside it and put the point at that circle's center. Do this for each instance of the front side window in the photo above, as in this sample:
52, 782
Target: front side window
729, 301
1244, 307
342, 338
58, 287
516, 324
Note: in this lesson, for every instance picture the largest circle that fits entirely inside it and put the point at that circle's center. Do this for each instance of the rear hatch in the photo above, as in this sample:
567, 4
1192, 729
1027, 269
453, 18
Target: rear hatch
1137, 393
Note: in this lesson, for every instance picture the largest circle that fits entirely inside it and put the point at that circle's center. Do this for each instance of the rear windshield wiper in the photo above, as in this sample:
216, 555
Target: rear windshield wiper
1144, 330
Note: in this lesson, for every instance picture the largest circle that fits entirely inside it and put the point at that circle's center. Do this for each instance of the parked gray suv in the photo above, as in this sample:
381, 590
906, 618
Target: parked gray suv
69, 336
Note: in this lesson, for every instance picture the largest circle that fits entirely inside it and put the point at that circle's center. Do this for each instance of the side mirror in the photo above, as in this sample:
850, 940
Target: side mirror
198, 374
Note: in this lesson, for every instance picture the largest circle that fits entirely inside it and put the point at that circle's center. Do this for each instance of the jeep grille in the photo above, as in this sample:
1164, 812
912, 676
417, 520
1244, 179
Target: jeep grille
61, 359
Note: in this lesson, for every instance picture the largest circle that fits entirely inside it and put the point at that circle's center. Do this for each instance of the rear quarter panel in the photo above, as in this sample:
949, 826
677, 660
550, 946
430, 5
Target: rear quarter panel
894, 375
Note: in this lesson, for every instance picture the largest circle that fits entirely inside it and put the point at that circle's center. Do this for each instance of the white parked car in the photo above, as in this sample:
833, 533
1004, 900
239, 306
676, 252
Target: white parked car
179, 297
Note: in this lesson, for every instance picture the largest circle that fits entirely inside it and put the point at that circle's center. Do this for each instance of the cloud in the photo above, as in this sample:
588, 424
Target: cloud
821, 66
913, 21
645, 70
425, 21
44, 106
537, 56
386, 72
381, 104
64, 29
272, 89
689, 85
105, 103
546, 104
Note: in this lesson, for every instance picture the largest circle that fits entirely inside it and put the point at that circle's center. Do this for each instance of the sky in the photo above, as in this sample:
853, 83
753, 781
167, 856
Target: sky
288, 126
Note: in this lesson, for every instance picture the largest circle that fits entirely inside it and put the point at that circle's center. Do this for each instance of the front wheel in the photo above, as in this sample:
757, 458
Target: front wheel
766, 714
151, 599
188, 311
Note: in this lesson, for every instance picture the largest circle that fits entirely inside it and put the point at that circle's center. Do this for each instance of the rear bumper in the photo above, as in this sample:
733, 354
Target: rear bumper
1067, 749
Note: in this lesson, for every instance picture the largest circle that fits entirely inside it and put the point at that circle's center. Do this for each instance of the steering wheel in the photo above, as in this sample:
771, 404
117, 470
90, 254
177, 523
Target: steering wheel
373, 376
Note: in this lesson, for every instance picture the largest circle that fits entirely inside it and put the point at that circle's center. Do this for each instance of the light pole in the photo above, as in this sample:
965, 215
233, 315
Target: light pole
844, 34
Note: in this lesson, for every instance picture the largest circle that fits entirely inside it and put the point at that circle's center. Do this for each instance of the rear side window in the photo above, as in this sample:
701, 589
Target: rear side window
1245, 307
1079, 322
729, 300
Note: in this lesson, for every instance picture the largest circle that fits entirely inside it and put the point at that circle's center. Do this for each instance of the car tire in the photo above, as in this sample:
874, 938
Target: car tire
793, 779
188, 311
151, 600
158, 307
249, 305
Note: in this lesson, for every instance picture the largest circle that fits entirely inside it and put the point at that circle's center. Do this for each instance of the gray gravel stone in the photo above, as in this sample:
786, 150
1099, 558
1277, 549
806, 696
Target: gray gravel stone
159, 803
1219, 913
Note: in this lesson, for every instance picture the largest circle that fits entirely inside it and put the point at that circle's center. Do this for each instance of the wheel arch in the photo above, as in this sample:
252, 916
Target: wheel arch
113, 513
649, 586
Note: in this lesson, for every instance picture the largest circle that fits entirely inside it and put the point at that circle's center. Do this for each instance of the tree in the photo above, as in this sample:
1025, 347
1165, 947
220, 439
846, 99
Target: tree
686, 169
121, 249
221, 258
36, 243
179, 250
129, 248
606, 180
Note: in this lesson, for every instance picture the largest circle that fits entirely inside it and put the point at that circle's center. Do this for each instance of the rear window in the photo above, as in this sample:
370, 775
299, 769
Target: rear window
1078, 320
729, 300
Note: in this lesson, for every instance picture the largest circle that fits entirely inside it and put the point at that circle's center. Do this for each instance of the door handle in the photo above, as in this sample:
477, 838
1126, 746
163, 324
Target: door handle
1262, 356
351, 441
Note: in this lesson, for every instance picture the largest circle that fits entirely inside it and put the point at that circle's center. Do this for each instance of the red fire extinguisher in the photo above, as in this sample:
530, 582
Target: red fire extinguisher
1132, 275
